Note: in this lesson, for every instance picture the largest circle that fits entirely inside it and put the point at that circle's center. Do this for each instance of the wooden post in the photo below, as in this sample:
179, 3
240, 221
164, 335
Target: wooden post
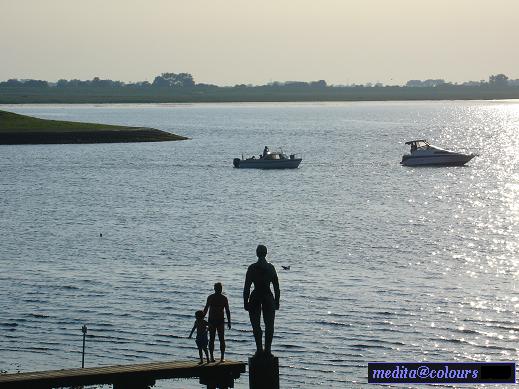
84, 330
263, 372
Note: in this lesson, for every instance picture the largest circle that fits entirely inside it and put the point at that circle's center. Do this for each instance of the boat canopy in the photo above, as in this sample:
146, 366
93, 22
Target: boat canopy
418, 143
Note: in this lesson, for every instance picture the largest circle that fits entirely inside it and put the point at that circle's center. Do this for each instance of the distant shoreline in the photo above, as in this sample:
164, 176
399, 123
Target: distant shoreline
18, 129
201, 94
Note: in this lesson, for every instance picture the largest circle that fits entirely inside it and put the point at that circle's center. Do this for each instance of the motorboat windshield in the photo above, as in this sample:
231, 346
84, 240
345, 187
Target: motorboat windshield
421, 144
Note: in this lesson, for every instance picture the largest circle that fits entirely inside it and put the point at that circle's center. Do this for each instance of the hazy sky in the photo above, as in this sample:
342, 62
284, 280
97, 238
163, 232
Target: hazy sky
256, 41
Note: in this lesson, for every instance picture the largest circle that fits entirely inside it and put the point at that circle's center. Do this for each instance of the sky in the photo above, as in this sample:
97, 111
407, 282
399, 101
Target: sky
228, 42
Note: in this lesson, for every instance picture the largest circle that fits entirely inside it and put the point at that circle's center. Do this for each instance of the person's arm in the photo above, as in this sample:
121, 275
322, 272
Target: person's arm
246, 290
207, 305
275, 283
228, 312
192, 330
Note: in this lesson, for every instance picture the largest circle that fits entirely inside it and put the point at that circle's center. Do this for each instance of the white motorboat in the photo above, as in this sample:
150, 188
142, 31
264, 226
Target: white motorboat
424, 154
268, 160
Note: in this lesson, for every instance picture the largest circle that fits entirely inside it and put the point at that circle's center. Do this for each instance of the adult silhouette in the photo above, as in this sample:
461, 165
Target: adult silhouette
261, 274
216, 304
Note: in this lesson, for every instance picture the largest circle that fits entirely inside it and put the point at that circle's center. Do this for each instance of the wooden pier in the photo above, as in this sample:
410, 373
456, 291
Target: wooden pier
214, 375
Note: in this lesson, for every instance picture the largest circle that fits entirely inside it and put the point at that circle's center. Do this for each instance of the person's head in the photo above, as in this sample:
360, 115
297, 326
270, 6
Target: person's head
199, 315
218, 287
261, 251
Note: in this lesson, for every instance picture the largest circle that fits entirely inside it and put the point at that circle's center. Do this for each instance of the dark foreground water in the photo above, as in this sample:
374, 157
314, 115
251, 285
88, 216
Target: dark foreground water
387, 263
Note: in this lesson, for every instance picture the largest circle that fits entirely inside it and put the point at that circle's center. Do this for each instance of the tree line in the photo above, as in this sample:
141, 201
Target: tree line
165, 80
180, 80
185, 81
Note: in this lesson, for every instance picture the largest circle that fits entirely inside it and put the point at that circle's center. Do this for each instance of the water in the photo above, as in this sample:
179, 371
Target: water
387, 263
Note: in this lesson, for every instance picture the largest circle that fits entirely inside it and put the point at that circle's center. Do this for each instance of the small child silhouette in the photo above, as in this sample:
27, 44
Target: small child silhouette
201, 335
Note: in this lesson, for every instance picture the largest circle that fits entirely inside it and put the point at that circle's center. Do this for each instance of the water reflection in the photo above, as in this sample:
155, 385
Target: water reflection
387, 262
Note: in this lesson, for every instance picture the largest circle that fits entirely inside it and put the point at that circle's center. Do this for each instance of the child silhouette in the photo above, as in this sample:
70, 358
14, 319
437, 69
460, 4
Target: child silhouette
201, 335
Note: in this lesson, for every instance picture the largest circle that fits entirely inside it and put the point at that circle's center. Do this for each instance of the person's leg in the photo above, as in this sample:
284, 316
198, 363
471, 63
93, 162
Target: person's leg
206, 354
221, 339
200, 354
255, 317
212, 334
269, 314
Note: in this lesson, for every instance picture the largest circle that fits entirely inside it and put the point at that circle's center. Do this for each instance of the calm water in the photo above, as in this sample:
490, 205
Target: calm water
387, 262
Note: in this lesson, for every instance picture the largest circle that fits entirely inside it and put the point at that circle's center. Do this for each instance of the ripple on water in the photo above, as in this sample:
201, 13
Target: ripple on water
387, 262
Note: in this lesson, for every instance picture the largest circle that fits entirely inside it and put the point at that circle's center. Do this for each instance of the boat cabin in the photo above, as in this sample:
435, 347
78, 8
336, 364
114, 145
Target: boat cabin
274, 155
418, 144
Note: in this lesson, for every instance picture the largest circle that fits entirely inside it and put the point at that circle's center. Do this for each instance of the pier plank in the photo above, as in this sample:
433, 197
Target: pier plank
121, 374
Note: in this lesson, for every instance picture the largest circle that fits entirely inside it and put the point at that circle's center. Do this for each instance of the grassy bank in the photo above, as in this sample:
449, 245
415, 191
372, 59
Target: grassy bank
21, 129
200, 94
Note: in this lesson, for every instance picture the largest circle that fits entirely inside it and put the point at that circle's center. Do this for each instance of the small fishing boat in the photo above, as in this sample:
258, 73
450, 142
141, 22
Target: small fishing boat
424, 154
268, 160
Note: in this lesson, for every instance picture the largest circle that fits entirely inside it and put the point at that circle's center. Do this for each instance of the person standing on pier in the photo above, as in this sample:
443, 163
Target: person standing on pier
261, 274
216, 303
201, 335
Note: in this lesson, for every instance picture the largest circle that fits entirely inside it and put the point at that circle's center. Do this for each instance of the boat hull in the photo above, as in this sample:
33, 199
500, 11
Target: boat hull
267, 164
440, 160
